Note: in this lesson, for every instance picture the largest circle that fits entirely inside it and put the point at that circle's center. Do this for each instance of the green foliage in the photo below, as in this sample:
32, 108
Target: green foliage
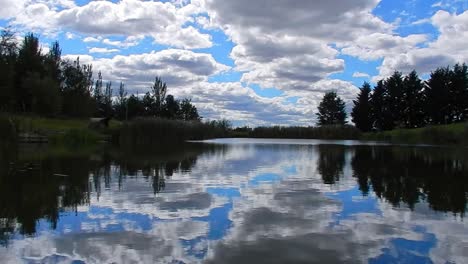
154, 132
159, 90
76, 90
331, 110
8, 56
77, 137
437, 94
361, 114
454, 134
393, 100
188, 111
45, 93
413, 101
171, 109
9, 129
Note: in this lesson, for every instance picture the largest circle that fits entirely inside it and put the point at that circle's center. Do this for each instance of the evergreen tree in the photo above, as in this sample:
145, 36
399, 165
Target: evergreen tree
331, 110
394, 100
378, 108
361, 113
413, 111
459, 93
437, 94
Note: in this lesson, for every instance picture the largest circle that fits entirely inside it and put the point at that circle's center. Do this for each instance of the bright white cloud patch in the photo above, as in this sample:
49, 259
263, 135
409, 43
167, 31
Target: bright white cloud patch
449, 47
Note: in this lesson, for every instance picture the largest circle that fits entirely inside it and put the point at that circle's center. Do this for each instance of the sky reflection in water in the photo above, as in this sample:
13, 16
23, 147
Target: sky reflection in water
238, 203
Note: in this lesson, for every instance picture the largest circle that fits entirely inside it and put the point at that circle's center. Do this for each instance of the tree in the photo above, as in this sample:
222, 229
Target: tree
97, 94
134, 107
149, 104
188, 111
120, 107
331, 110
171, 108
30, 60
76, 89
394, 100
107, 102
53, 61
379, 109
8, 56
413, 111
437, 96
459, 93
361, 114
159, 90
45, 94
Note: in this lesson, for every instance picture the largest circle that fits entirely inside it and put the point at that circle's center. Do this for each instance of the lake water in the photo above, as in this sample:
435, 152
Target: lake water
236, 201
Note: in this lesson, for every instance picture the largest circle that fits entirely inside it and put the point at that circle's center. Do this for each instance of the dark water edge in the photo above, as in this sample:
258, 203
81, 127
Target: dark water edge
235, 201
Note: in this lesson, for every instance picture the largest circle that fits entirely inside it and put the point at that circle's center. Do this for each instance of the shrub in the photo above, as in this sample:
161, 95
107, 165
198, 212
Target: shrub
76, 137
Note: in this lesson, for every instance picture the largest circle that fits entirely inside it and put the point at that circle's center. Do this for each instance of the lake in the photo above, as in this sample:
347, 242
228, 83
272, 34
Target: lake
235, 201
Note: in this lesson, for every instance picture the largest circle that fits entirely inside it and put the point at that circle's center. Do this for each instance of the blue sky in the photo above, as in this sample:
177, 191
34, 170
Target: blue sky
253, 62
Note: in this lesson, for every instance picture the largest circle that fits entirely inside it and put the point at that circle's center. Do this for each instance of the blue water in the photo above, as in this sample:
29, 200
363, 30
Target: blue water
247, 201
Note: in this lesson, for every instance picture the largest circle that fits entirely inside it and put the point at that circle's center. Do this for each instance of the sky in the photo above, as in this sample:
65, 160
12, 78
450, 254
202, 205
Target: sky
254, 62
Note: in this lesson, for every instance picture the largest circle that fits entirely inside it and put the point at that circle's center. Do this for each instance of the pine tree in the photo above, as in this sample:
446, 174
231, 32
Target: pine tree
394, 101
361, 113
378, 107
459, 93
331, 110
413, 111
437, 94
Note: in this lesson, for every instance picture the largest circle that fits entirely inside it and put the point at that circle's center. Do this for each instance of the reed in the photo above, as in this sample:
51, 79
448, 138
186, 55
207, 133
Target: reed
145, 132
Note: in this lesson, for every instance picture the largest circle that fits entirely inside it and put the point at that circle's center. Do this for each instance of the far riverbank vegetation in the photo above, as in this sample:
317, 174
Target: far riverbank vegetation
45, 96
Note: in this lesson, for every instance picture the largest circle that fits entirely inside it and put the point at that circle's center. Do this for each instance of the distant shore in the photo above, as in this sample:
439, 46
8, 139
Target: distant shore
153, 132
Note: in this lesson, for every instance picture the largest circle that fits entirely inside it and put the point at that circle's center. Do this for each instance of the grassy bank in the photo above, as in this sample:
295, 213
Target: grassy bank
454, 134
62, 131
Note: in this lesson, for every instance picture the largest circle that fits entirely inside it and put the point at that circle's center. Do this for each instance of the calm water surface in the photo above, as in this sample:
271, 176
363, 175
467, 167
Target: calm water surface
236, 201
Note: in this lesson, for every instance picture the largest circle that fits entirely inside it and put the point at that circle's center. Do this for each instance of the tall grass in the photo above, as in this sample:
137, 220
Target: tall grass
9, 129
454, 134
76, 137
145, 132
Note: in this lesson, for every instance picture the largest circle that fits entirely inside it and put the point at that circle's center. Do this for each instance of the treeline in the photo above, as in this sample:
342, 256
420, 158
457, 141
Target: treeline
296, 132
408, 102
44, 84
